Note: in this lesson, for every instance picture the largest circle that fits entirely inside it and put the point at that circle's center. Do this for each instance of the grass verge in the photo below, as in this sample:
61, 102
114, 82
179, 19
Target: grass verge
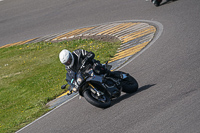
31, 76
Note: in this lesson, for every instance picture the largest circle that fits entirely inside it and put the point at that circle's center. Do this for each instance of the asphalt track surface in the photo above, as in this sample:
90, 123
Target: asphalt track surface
168, 100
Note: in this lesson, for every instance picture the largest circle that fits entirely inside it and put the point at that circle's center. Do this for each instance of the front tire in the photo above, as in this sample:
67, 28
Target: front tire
129, 84
92, 99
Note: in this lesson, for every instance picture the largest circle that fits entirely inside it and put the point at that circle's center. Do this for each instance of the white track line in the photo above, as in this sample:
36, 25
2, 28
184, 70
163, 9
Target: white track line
46, 114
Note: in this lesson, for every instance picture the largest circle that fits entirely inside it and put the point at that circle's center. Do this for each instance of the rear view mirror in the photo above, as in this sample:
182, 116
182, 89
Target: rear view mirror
63, 86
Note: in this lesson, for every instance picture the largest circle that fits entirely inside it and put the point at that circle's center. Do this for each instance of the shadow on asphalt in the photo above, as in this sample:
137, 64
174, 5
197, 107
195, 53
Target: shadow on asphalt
126, 96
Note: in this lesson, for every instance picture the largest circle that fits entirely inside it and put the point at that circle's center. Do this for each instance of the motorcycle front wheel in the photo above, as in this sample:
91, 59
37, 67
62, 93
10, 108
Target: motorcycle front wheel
129, 84
98, 101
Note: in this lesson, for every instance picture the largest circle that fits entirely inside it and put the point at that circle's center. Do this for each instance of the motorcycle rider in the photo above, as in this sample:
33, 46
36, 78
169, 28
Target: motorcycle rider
81, 60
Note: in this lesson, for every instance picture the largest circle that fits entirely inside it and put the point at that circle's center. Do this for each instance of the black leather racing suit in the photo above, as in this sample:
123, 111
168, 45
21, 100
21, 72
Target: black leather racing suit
83, 57
80, 57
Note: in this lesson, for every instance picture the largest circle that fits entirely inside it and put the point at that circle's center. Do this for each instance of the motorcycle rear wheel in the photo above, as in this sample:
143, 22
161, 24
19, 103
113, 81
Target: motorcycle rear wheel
92, 99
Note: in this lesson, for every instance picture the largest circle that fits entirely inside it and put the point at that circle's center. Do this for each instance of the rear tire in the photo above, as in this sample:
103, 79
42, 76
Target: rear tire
89, 96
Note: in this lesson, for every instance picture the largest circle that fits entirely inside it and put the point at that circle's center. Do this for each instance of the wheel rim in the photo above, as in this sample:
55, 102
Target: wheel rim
100, 98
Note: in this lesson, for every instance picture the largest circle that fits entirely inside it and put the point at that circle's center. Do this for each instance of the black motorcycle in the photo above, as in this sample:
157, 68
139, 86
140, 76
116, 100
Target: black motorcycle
156, 2
100, 90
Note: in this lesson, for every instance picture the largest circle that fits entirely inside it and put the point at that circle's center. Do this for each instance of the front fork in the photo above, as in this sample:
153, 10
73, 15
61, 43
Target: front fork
95, 91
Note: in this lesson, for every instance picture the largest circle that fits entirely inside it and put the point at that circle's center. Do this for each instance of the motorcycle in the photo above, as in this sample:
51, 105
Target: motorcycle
156, 2
100, 90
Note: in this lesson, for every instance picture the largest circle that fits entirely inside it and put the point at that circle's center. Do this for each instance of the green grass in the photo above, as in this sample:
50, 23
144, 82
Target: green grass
31, 75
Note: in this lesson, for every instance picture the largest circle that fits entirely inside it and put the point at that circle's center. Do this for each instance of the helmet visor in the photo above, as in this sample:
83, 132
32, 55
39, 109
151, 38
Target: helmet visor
69, 61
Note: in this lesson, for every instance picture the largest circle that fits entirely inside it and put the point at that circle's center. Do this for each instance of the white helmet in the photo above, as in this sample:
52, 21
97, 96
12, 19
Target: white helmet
66, 58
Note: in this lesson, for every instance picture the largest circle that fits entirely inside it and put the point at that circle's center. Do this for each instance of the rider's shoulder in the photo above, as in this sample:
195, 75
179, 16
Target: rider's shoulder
77, 51
80, 51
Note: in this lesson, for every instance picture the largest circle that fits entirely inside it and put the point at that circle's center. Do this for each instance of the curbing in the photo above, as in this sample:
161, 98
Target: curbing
135, 36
